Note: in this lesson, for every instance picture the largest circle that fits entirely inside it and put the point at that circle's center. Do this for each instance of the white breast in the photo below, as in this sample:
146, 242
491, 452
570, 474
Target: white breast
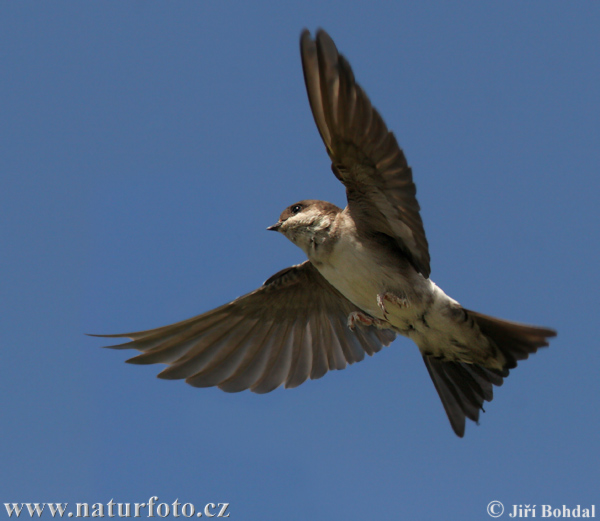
361, 271
351, 270
361, 274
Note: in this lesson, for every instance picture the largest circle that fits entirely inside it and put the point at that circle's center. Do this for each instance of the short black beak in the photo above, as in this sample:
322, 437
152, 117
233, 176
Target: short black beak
275, 227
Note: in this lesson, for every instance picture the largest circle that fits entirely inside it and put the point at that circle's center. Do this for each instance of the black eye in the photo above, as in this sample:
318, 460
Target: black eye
296, 208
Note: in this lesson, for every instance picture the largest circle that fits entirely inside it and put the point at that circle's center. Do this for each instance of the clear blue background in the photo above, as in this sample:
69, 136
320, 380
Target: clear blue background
145, 147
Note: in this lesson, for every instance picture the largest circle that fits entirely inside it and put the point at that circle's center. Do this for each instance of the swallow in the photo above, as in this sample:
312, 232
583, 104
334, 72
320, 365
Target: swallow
366, 279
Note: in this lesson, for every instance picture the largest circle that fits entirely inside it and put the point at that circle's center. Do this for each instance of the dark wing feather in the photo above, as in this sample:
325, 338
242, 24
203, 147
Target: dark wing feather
365, 155
291, 328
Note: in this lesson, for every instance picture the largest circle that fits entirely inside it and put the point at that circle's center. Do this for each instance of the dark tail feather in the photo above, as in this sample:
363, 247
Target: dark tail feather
515, 341
464, 387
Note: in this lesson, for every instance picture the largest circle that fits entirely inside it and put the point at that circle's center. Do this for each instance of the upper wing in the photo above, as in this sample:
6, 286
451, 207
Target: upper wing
365, 155
292, 327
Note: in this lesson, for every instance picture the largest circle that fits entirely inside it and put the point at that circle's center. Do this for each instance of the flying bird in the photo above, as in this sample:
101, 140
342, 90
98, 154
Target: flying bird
366, 279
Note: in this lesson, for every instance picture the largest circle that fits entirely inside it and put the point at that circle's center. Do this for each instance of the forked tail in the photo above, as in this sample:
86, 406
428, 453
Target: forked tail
463, 387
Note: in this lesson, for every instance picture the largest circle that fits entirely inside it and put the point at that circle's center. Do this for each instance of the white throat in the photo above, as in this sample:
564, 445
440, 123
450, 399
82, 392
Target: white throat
308, 230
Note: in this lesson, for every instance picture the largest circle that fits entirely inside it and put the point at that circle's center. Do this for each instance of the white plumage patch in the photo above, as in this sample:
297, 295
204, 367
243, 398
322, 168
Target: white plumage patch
306, 227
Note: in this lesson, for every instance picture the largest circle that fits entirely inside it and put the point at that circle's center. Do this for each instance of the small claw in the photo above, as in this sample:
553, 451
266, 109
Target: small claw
401, 302
381, 302
359, 317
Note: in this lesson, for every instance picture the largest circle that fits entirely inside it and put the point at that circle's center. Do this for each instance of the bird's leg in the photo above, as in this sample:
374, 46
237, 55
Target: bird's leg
401, 302
358, 317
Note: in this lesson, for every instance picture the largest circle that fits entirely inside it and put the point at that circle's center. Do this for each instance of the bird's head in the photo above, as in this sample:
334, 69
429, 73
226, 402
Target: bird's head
306, 222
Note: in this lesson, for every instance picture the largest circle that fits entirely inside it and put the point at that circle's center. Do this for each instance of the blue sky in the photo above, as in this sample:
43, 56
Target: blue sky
144, 149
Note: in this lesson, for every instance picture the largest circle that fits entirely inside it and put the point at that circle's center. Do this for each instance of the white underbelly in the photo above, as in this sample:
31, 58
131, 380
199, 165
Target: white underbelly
425, 317
357, 276
360, 287
428, 316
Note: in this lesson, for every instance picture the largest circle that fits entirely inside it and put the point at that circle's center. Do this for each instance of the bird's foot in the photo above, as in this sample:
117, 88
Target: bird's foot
358, 317
401, 302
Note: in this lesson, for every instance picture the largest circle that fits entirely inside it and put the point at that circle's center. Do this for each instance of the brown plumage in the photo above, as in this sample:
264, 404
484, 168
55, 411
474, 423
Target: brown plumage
262, 340
366, 280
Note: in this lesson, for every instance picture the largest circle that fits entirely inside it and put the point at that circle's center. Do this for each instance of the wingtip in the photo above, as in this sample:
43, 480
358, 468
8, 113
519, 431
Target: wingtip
124, 345
107, 336
323, 36
305, 41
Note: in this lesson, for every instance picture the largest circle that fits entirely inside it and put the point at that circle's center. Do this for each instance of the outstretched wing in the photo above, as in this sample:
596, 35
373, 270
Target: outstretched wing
365, 155
291, 328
